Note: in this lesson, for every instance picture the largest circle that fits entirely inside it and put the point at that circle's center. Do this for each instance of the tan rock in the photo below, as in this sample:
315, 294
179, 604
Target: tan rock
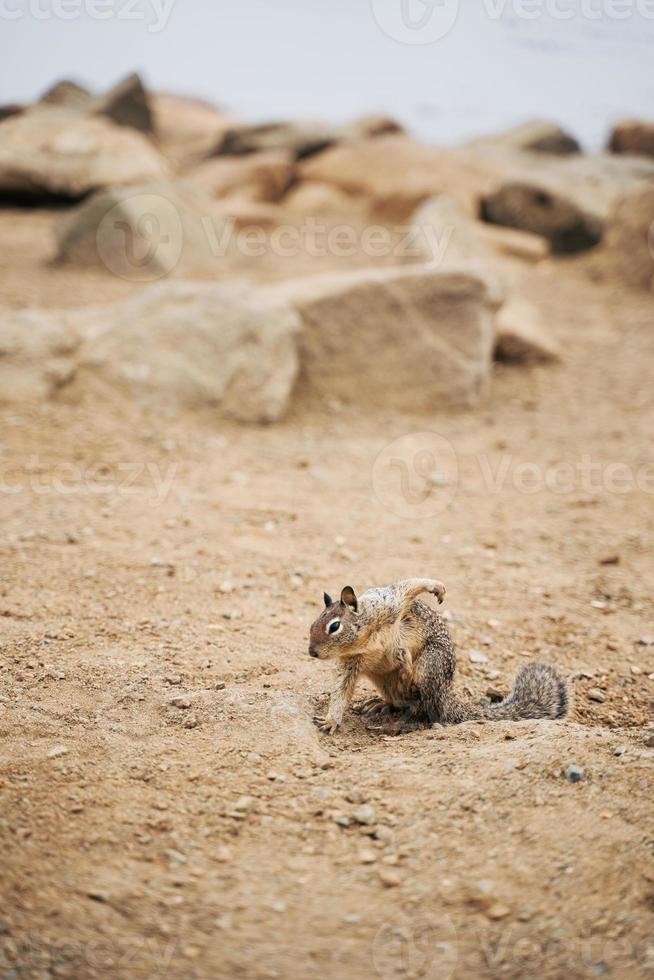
141, 232
536, 136
37, 354
628, 251
521, 336
53, 152
256, 176
404, 338
187, 129
633, 136
299, 138
313, 197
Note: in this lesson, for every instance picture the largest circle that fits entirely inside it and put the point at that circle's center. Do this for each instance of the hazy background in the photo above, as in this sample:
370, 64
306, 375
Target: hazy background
330, 59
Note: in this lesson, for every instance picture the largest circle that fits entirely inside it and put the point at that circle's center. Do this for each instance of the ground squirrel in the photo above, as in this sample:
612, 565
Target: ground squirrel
404, 647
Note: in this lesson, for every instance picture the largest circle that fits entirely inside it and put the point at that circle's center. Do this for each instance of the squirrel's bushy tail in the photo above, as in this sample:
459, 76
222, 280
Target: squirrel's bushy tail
539, 691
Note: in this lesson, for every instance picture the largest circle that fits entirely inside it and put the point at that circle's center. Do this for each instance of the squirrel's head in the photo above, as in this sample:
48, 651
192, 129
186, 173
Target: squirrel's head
336, 631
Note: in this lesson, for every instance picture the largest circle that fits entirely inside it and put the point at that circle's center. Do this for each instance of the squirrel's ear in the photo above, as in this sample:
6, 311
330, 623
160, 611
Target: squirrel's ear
348, 598
328, 599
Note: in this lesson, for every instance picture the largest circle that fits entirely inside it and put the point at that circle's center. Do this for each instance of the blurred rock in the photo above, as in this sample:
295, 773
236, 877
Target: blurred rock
37, 354
537, 136
67, 94
446, 235
187, 129
511, 241
312, 197
193, 344
299, 138
628, 252
126, 104
50, 152
141, 232
421, 338
256, 176
633, 136
521, 337
567, 200
370, 127
395, 174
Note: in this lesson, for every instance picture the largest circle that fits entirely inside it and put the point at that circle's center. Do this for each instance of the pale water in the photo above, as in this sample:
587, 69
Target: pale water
581, 62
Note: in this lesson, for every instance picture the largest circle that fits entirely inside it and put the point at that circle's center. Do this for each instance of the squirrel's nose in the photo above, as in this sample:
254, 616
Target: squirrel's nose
313, 652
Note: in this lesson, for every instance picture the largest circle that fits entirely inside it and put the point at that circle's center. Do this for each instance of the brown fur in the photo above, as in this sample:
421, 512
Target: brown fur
405, 649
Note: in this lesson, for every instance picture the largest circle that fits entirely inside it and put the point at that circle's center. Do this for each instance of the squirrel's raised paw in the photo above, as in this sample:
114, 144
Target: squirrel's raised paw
326, 725
438, 589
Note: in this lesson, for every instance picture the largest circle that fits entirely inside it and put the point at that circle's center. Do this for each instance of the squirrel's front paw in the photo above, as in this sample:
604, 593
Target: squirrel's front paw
327, 725
438, 589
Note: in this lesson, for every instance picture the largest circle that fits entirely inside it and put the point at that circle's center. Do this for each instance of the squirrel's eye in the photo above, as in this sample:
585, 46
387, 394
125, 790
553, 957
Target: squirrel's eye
333, 627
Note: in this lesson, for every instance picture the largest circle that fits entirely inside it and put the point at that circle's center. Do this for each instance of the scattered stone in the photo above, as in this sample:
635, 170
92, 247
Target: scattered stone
477, 657
594, 694
57, 751
649, 741
226, 587
365, 814
220, 685
610, 559
574, 774
633, 136
389, 878
646, 641
173, 679
181, 701
245, 804
497, 911
192, 722
620, 750
367, 856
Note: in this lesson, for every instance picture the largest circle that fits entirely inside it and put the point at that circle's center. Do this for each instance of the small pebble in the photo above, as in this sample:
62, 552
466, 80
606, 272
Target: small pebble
365, 814
477, 657
574, 774
594, 694
389, 878
181, 701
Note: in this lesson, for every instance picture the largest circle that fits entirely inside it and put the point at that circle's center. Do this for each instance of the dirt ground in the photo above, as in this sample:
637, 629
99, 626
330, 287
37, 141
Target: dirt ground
168, 807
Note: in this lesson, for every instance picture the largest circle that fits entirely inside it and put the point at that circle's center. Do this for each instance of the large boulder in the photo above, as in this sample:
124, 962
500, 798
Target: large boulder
628, 251
445, 235
50, 152
633, 136
394, 174
537, 136
260, 177
401, 338
126, 103
173, 346
566, 201
141, 232
37, 354
299, 138
187, 129
188, 344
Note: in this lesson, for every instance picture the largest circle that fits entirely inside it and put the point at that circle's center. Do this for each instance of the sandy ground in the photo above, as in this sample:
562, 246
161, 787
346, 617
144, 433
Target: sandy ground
169, 809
